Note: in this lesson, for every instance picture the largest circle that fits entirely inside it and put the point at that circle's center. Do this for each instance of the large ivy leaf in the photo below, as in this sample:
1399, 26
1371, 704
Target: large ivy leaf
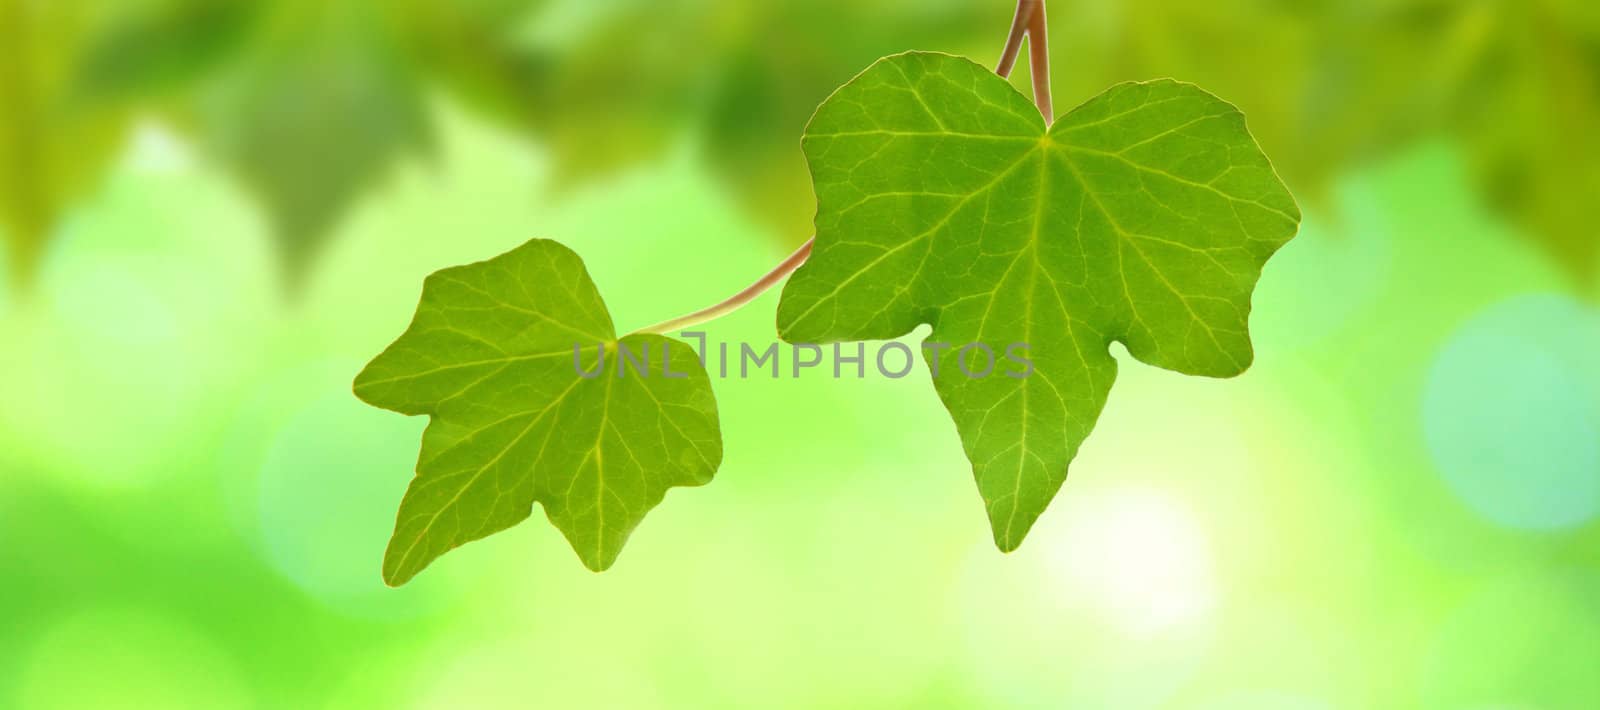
490, 359
1143, 216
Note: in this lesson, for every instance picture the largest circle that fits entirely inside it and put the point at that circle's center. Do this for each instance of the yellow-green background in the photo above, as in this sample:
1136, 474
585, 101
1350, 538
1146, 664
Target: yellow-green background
1395, 508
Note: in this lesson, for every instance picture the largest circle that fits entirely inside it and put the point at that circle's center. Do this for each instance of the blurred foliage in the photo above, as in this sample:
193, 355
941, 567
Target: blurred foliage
1329, 86
51, 146
194, 506
743, 77
310, 102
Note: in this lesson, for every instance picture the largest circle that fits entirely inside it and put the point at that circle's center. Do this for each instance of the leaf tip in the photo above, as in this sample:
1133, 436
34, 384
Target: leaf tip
1007, 544
598, 565
399, 568
358, 386
395, 578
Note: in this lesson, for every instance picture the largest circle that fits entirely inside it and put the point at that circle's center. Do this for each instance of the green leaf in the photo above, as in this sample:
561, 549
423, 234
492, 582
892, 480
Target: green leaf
1143, 216
489, 358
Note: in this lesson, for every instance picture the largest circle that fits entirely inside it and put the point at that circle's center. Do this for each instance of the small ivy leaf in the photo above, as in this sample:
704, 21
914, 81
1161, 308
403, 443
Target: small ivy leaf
1142, 216
490, 359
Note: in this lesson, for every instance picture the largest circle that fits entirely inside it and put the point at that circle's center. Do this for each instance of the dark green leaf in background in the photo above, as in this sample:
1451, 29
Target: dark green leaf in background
1143, 216
310, 122
309, 103
490, 359
53, 148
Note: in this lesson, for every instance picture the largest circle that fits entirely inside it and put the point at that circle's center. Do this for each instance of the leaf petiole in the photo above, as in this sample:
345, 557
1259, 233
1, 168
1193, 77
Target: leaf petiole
1039, 61
738, 300
1030, 22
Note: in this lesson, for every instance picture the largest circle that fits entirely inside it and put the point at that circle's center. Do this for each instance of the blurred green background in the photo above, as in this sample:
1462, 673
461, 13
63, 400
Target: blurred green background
214, 212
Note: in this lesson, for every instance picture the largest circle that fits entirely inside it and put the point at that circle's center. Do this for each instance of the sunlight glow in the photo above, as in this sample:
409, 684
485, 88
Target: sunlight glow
1142, 558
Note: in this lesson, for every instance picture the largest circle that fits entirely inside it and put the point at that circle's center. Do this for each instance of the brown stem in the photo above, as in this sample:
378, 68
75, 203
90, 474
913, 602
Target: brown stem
1029, 21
